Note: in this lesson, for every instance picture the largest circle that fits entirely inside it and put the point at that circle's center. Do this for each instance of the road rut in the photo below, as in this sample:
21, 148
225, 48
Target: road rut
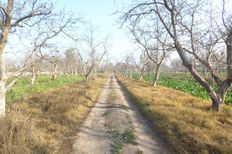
95, 135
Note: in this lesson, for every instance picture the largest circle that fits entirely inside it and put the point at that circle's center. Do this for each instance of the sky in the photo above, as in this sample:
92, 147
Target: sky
101, 14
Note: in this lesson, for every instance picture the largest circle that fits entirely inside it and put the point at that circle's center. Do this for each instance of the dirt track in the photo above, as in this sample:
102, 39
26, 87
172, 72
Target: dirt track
107, 125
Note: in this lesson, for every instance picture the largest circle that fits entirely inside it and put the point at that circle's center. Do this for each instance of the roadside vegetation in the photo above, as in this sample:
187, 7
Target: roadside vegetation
187, 123
43, 83
183, 82
46, 122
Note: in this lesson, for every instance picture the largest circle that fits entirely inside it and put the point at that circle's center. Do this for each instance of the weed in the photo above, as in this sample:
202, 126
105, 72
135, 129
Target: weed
185, 122
129, 136
45, 122
121, 138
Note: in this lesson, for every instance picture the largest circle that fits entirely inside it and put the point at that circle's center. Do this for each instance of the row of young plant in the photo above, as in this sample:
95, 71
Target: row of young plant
183, 82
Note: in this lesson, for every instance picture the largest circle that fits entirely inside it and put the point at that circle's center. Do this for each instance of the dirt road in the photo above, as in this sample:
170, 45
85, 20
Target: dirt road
115, 126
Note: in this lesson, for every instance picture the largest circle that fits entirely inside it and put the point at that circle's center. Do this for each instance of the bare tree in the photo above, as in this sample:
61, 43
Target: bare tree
96, 50
55, 61
141, 66
71, 61
127, 63
195, 31
33, 73
36, 16
155, 46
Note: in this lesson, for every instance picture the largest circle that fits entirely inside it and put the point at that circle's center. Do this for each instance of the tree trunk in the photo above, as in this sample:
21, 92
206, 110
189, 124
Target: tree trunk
156, 79
217, 104
157, 74
33, 79
60, 73
2, 99
141, 77
33, 76
2, 82
5, 29
205, 72
54, 72
86, 77
93, 72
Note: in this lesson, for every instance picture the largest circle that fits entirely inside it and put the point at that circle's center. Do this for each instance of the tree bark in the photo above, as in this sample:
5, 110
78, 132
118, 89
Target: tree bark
54, 74
217, 104
33, 75
217, 97
229, 54
2, 99
86, 77
156, 79
205, 72
33, 79
2, 84
157, 74
4, 36
141, 77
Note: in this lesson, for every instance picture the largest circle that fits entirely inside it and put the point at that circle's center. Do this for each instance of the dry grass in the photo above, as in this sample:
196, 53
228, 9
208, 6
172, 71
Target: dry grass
186, 122
46, 122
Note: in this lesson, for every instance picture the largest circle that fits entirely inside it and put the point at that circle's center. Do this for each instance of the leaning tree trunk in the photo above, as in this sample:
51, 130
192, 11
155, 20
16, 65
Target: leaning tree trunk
156, 79
217, 104
218, 99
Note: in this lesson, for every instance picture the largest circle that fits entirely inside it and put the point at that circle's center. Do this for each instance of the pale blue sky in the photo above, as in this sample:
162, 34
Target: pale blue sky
100, 14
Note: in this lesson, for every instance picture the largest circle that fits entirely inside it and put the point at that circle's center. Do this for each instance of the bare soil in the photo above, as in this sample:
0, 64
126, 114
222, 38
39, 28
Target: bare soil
115, 126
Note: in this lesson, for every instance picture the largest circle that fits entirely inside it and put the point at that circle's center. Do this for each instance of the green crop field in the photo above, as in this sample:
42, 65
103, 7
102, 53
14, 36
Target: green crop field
24, 87
183, 82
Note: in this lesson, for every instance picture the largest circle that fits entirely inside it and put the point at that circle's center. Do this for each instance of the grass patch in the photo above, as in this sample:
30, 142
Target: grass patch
129, 136
186, 122
183, 82
47, 122
119, 139
42, 83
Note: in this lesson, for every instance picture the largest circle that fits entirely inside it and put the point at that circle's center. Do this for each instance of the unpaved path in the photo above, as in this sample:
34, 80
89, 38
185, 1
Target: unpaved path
115, 126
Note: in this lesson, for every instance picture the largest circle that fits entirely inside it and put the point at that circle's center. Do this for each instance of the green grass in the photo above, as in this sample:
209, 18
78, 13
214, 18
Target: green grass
183, 82
43, 83
119, 139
